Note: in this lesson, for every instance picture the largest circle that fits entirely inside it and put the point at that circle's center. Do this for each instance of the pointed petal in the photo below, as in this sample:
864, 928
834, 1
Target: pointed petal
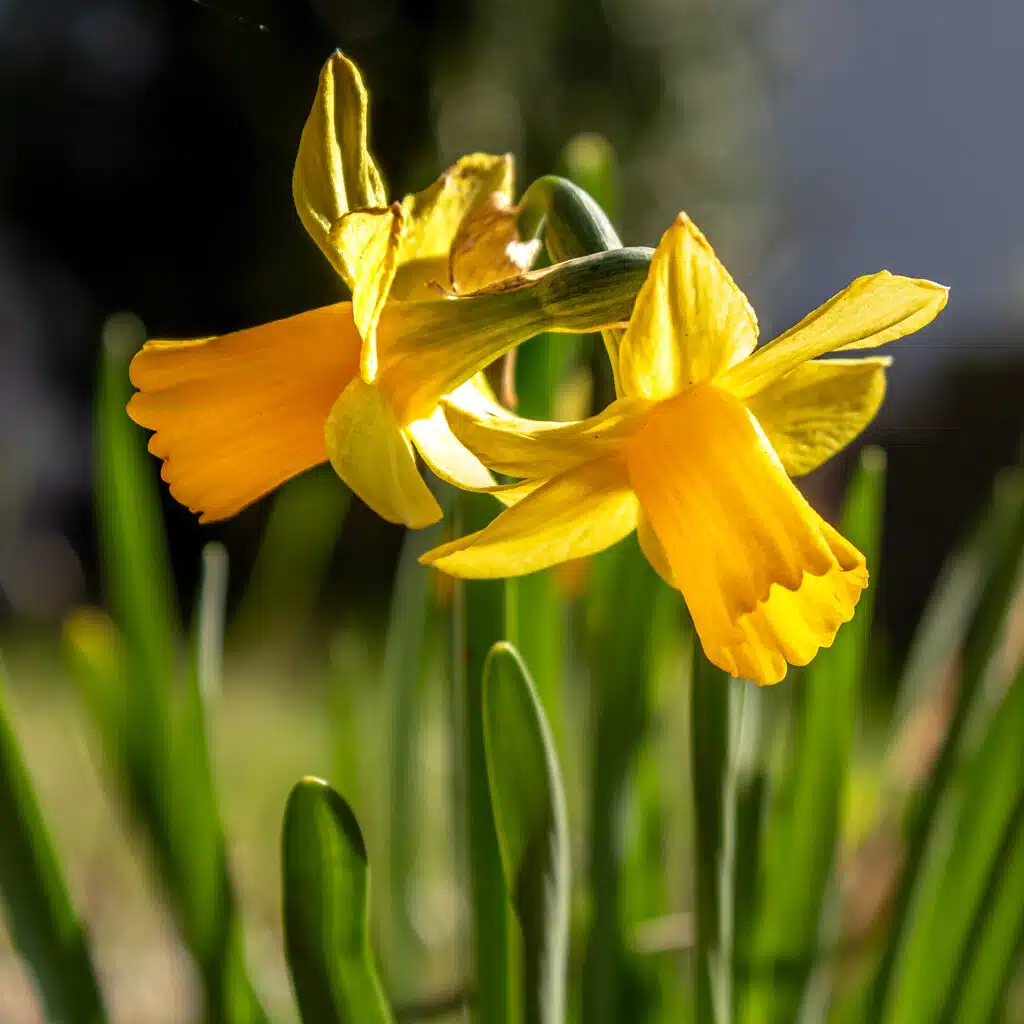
334, 172
585, 510
369, 451
445, 455
871, 311
521, 447
368, 242
239, 414
690, 321
818, 408
736, 533
434, 215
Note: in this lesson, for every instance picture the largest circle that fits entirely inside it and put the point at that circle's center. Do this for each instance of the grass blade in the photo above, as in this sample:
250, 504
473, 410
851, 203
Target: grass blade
981, 652
480, 616
947, 916
619, 638
42, 922
805, 816
532, 827
326, 884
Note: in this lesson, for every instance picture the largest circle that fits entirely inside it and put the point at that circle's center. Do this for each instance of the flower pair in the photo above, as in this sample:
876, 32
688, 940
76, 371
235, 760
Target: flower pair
695, 453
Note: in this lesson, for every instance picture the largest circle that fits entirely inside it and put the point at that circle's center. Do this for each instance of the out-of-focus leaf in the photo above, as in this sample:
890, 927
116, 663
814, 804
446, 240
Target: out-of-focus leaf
133, 546
408, 623
716, 714
980, 664
621, 610
40, 918
326, 910
805, 817
533, 832
302, 531
997, 937
946, 924
481, 607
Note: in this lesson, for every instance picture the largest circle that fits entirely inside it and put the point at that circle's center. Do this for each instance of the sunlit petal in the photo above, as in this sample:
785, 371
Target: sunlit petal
370, 452
334, 172
368, 241
871, 311
690, 321
239, 414
818, 408
521, 447
487, 247
733, 529
585, 510
445, 454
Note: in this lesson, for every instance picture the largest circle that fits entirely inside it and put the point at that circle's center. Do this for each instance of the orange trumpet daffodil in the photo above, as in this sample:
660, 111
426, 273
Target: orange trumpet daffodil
696, 455
358, 382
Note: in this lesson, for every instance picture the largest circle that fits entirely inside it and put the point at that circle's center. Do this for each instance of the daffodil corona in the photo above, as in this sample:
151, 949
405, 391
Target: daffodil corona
439, 290
696, 455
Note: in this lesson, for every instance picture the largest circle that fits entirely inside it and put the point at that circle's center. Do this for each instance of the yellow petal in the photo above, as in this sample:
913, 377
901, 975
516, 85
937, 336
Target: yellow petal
370, 452
487, 247
434, 215
871, 311
653, 551
521, 447
368, 241
818, 408
445, 454
585, 510
239, 414
334, 172
736, 534
690, 321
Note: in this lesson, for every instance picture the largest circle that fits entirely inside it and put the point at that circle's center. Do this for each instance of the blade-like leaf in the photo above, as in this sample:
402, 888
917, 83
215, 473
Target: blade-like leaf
618, 643
947, 920
481, 607
42, 922
326, 910
982, 651
805, 817
533, 833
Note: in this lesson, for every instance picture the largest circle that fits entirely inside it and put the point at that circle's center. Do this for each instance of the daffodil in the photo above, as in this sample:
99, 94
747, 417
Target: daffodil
696, 455
358, 382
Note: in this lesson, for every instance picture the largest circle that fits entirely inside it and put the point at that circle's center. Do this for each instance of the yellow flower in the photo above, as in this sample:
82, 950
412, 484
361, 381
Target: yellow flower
696, 454
358, 382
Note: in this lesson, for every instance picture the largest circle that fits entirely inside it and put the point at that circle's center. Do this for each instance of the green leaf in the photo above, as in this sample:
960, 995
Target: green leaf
326, 879
948, 916
40, 918
533, 831
982, 650
997, 939
481, 607
622, 603
805, 815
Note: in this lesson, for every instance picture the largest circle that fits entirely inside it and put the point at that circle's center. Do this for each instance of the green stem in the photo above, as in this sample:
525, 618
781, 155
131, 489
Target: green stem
480, 622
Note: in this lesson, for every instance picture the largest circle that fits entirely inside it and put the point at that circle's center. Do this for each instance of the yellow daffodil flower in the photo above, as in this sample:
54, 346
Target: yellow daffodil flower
696, 455
358, 382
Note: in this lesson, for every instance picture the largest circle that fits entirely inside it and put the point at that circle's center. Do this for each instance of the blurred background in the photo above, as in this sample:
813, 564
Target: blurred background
146, 149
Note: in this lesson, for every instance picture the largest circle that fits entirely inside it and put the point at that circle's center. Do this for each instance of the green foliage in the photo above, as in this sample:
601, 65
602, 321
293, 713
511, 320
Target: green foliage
532, 826
715, 824
41, 919
327, 910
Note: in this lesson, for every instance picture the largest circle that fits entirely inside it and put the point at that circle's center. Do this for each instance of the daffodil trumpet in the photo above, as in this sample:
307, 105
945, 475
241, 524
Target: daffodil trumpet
236, 415
696, 456
439, 288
